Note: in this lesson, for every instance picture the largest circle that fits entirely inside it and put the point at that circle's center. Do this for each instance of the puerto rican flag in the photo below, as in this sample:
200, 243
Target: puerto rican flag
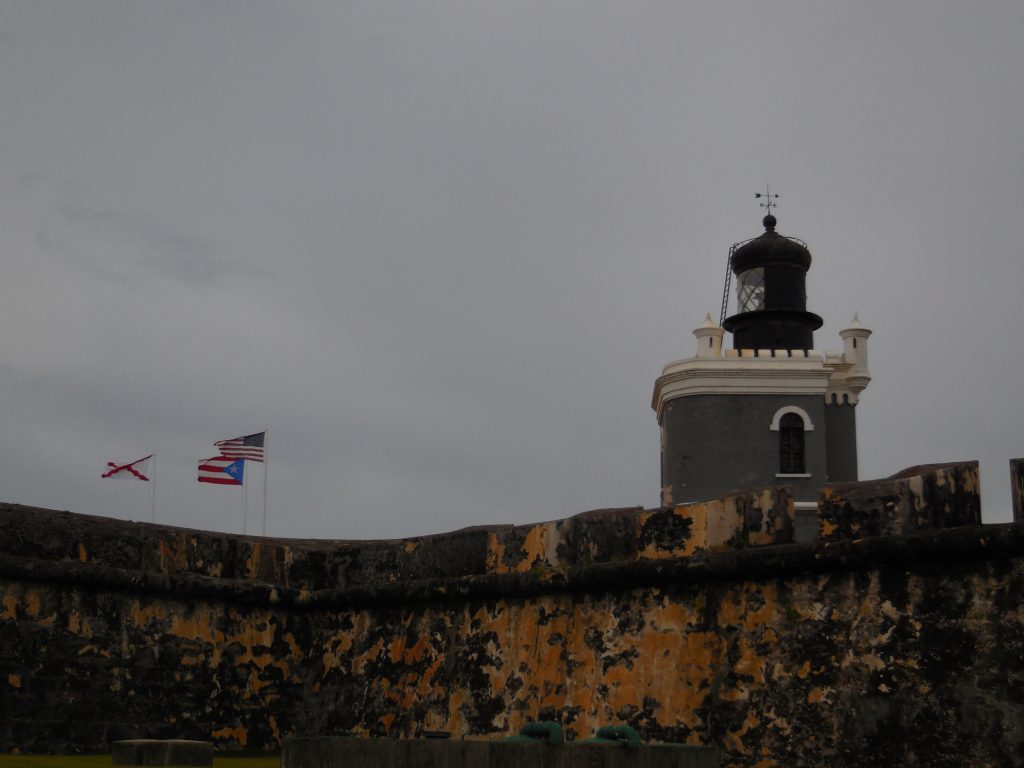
134, 470
222, 470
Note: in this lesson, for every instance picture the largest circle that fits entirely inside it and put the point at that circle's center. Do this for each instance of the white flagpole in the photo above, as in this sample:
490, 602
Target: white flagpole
152, 506
266, 462
245, 489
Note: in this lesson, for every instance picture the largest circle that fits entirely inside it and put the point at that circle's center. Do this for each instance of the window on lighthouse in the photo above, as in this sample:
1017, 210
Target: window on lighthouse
791, 445
750, 285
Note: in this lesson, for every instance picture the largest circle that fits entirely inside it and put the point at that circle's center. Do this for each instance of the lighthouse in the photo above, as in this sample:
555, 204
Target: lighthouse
770, 410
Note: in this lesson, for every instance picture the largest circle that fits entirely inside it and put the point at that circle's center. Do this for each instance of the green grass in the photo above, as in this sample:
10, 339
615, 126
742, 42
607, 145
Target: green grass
95, 761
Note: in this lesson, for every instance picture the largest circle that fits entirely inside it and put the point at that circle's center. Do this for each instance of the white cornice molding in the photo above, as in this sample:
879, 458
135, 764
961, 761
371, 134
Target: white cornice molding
741, 376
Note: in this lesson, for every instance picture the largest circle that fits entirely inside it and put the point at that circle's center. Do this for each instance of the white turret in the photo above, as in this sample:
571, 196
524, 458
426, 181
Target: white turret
855, 346
709, 338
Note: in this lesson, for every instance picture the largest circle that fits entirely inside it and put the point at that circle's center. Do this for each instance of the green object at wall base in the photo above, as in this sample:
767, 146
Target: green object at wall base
545, 731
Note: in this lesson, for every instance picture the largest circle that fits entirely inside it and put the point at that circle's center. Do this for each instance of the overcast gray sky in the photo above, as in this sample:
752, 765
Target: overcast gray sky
443, 249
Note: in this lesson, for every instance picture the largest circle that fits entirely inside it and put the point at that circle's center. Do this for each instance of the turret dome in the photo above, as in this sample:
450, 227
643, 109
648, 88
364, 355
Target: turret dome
772, 249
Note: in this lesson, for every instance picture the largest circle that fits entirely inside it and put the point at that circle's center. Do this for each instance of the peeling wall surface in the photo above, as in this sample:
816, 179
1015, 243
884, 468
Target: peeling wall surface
896, 639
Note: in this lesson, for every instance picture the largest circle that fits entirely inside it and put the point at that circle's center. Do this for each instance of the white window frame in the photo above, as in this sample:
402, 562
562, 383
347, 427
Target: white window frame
808, 427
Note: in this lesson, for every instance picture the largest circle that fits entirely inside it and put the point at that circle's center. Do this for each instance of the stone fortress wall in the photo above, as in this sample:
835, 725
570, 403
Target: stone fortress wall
897, 638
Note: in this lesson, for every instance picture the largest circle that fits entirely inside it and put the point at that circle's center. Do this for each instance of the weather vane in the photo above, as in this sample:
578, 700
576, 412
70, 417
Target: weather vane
767, 204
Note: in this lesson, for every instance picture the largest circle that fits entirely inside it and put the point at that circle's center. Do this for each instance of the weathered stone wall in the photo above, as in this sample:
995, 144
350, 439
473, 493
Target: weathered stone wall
698, 625
714, 443
347, 752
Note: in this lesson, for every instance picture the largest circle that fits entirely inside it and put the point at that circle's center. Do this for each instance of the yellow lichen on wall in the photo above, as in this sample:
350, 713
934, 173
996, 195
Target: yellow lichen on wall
590, 639
237, 734
94, 650
10, 606
79, 620
197, 625
734, 742
173, 553
548, 654
252, 563
724, 524
295, 651
144, 615
33, 604
970, 479
667, 661
360, 661
495, 558
335, 650
820, 695
539, 549
735, 609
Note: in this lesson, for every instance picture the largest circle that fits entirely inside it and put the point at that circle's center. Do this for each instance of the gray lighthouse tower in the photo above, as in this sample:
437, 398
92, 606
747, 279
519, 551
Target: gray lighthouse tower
772, 410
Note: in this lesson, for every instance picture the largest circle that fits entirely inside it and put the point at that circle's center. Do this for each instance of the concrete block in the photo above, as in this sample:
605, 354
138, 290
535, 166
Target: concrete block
742, 519
671, 532
438, 753
806, 522
339, 752
162, 752
682, 756
768, 516
917, 499
518, 754
595, 755
597, 536
473, 754
358, 752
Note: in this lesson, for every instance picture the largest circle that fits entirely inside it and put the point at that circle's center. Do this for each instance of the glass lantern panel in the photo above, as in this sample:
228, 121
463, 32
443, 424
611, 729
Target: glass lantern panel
750, 287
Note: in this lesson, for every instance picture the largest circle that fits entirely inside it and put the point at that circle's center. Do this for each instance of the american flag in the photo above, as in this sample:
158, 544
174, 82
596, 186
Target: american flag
249, 447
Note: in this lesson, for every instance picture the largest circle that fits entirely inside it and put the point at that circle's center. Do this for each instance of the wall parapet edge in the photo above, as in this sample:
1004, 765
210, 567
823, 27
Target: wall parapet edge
922, 547
918, 498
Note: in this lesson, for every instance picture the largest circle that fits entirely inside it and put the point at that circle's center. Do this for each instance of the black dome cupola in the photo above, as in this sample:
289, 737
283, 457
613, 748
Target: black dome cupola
771, 276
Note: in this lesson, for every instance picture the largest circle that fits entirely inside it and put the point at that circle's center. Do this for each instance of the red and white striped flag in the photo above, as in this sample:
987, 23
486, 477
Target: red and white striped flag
249, 447
222, 470
135, 470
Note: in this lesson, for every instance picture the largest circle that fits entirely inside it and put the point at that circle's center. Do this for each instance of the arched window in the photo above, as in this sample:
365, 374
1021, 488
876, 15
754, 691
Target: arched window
791, 444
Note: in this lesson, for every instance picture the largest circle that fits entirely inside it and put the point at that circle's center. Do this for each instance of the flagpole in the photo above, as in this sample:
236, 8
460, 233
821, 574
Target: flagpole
244, 494
152, 506
266, 462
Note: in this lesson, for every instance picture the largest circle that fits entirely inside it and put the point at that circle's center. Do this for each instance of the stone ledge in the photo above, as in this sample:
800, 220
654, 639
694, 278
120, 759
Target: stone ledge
178, 752
309, 564
342, 752
922, 547
920, 498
